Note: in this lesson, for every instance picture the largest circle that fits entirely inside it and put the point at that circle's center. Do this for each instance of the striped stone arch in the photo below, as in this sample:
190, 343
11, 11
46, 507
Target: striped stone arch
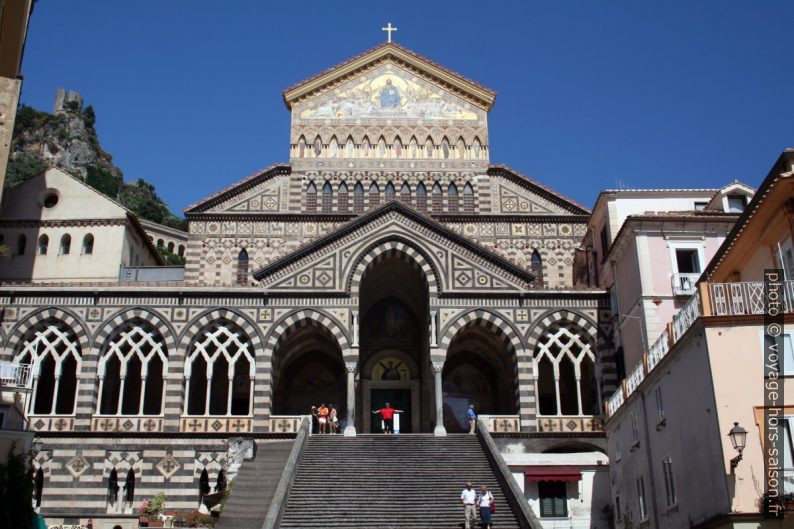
72, 320
502, 328
152, 317
393, 247
551, 318
204, 319
487, 319
301, 318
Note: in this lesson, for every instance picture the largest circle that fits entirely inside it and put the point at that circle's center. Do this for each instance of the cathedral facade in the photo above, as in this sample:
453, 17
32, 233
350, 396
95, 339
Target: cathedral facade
388, 260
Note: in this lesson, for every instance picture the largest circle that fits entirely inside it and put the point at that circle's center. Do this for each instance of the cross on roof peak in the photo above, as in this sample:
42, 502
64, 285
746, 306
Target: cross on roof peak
388, 29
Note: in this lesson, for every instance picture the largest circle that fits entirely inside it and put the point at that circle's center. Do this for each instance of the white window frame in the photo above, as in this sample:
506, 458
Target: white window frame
641, 499
661, 420
788, 473
635, 430
788, 366
686, 245
669, 481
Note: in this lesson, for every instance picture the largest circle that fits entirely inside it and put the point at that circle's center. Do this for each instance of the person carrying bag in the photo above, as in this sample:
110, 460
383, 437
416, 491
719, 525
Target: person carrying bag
485, 502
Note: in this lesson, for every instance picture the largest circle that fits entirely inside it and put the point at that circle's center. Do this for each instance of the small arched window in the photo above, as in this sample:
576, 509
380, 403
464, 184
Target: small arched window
445, 148
311, 198
44, 242
358, 199
66, 244
342, 203
468, 198
180, 251
334, 147
461, 148
365, 147
438, 200
242, 267
381, 148
477, 148
328, 197
220, 483
318, 146
452, 192
429, 147
421, 197
414, 148
22, 242
374, 195
170, 247
536, 267
349, 147
302, 147
129, 487
113, 487
398, 147
204, 483
390, 191
38, 487
88, 244
405, 193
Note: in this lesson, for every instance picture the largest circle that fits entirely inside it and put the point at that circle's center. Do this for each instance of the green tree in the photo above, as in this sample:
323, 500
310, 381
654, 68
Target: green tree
16, 490
23, 167
102, 180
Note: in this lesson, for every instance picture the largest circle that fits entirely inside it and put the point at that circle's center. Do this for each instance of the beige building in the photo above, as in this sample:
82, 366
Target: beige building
673, 463
170, 239
58, 229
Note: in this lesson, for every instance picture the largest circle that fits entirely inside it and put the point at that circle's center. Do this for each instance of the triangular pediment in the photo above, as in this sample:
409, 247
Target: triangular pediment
455, 264
398, 56
260, 192
515, 193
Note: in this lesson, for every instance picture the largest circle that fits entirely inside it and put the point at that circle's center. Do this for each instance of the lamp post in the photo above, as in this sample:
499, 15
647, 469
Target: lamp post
738, 437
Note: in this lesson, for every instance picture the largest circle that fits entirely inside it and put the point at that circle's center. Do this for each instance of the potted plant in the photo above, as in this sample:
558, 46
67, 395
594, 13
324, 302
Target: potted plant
150, 512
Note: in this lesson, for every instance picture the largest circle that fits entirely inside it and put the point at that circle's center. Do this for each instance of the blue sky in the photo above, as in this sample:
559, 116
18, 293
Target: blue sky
592, 94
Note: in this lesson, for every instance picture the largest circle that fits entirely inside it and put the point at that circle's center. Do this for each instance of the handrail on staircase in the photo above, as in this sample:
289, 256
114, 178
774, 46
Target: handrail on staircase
279, 502
513, 495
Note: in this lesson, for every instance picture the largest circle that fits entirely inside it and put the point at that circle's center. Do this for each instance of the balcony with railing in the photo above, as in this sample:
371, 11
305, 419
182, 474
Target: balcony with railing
709, 299
685, 284
14, 376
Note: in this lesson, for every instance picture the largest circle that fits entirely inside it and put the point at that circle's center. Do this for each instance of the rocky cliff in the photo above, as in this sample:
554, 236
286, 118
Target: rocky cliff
67, 139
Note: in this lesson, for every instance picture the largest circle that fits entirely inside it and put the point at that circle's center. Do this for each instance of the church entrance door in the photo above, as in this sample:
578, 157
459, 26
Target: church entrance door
399, 399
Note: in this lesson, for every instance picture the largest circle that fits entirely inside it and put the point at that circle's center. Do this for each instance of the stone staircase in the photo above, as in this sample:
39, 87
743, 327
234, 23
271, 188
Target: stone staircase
395, 481
254, 486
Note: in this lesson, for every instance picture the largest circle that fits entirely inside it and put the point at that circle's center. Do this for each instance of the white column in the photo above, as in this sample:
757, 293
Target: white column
579, 394
433, 337
187, 394
229, 396
557, 388
354, 331
34, 389
250, 395
350, 429
439, 430
99, 396
143, 394
55, 392
121, 394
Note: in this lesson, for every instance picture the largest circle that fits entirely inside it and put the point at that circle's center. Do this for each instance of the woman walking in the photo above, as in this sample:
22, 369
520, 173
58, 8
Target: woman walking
486, 505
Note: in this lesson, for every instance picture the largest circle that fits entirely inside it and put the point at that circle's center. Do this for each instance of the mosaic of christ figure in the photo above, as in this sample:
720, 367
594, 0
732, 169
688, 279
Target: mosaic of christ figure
389, 95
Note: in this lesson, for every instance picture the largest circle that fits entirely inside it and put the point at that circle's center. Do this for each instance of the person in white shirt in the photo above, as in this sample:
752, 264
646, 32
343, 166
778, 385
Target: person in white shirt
468, 498
484, 502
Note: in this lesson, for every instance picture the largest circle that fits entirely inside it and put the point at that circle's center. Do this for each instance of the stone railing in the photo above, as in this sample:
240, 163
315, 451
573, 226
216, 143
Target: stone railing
14, 375
685, 284
709, 299
285, 423
502, 423
570, 423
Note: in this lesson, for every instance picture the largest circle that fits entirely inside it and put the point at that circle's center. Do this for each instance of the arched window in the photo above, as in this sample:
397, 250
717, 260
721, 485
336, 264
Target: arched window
381, 148
438, 200
477, 149
414, 148
113, 487
445, 147
334, 147
461, 148
131, 371
66, 244
220, 483
328, 198
170, 247
88, 244
204, 483
22, 242
38, 488
318, 147
301, 147
160, 243
429, 147
358, 199
374, 195
44, 241
405, 193
242, 267
398, 147
564, 362
311, 198
389, 191
343, 205
421, 197
53, 352
219, 371
181, 250
365, 147
452, 195
349, 147
468, 198
536, 267
129, 487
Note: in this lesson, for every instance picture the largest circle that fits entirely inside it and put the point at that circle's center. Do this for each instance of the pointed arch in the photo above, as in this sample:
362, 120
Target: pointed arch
405, 193
452, 198
317, 147
328, 197
342, 202
413, 148
398, 147
374, 195
536, 267
477, 150
302, 147
468, 198
445, 147
242, 267
333, 148
421, 197
460, 148
389, 192
350, 147
366, 147
311, 197
429, 147
438, 198
358, 198
382, 150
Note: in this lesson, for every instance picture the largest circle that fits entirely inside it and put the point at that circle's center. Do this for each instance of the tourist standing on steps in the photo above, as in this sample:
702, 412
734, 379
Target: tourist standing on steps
322, 418
387, 414
333, 421
472, 418
485, 503
315, 423
468, 498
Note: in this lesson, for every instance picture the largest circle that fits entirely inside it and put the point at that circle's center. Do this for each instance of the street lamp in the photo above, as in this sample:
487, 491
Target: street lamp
738, 437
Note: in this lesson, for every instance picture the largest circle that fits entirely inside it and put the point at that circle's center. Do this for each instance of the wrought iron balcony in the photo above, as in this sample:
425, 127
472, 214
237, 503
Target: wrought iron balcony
13, 375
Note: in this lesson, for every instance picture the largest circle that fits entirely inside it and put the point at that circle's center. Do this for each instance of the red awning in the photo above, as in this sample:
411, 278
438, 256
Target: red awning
552, 474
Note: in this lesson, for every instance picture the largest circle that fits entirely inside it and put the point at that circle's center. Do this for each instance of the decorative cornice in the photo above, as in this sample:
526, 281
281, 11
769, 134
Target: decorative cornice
546, 192
237, 187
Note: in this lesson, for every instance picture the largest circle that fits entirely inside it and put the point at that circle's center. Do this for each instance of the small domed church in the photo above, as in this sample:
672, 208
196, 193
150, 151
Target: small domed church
389, 260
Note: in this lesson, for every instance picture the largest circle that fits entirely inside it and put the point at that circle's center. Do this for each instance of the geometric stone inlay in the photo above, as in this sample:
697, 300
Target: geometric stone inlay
168, 466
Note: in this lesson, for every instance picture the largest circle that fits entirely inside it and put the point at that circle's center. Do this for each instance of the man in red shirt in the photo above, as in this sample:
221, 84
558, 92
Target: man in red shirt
387, 414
